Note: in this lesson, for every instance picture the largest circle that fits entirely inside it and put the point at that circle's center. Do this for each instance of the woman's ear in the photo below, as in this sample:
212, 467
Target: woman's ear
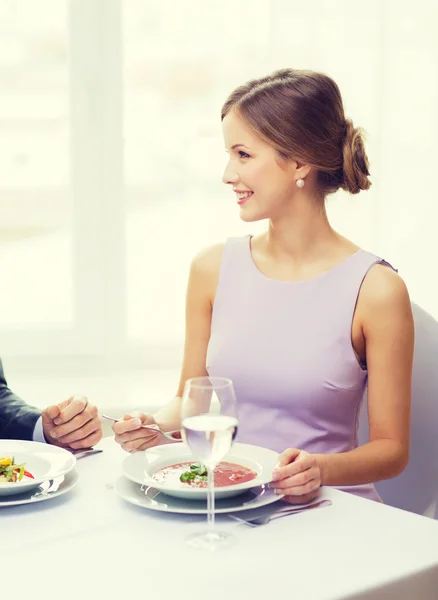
302, 169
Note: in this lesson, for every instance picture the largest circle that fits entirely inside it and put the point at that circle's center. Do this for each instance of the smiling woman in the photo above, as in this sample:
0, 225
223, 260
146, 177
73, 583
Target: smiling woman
326, 140
299, 318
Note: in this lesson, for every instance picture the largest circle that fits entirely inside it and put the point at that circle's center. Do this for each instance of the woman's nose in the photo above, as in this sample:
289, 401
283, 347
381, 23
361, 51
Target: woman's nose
229, 177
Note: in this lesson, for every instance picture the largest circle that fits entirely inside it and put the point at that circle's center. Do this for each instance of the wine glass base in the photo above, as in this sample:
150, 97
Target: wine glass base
211, 540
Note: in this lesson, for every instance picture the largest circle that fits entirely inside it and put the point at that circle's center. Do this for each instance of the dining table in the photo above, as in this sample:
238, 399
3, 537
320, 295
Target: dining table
90, 544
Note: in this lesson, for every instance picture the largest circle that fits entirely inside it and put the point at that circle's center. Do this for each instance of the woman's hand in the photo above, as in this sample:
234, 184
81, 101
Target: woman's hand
297, 475
130, 434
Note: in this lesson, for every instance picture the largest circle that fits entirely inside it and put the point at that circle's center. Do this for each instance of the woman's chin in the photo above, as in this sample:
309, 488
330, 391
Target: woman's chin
251, 217
250, 214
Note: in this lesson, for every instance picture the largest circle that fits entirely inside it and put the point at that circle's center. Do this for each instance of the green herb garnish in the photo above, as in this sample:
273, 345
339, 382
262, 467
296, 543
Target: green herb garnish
197, 472
198, 469
187, 476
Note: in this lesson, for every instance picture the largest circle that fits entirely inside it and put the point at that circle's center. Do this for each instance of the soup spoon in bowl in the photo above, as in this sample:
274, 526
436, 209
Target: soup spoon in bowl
174, 436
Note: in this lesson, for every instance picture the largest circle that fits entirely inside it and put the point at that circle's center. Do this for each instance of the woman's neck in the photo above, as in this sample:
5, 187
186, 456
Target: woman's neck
301, 236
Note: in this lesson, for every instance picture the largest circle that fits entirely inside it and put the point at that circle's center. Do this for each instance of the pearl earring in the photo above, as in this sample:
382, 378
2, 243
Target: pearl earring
300, 183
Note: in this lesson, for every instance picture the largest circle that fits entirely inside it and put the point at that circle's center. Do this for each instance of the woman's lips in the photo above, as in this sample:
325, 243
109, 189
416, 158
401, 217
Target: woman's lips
241, 201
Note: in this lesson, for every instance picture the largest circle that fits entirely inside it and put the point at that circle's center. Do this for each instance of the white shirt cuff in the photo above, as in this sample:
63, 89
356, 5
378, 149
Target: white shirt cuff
38, 434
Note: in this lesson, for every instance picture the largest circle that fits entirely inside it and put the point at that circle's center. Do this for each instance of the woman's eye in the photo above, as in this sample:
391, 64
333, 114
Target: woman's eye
243, 154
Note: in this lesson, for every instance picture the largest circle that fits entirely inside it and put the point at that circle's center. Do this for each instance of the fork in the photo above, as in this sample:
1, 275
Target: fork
265, 519
49, 487
175, 435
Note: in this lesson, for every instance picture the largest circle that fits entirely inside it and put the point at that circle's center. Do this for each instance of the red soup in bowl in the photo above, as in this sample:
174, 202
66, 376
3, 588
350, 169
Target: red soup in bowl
195, 474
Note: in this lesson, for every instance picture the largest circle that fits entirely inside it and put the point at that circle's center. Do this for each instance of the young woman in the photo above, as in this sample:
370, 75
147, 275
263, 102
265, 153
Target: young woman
300, 318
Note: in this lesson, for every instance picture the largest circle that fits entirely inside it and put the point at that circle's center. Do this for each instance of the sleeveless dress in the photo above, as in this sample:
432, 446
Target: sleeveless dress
286, 345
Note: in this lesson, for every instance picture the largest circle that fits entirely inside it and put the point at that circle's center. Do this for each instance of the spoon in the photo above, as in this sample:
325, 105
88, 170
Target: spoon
175, 435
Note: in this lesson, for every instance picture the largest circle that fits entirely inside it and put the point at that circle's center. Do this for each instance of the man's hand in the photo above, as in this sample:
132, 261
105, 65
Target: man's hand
73, 423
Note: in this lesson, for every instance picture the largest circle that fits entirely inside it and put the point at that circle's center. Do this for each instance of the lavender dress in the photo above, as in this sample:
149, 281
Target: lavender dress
286, 345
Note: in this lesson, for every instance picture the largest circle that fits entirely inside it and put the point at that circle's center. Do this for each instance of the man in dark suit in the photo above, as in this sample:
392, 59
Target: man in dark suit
73, 423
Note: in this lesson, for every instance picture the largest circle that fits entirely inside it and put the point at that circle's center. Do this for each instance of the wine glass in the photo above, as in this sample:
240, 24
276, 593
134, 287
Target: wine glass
209, 427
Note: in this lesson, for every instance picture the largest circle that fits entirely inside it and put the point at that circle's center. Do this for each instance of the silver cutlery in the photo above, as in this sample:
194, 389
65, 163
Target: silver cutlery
81, 452
48, 487
256, 521
175, 435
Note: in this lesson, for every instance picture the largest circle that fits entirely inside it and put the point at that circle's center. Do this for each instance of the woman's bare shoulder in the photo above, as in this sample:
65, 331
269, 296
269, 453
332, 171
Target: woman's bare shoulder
208, 261
384, 296
204, 272
383, 285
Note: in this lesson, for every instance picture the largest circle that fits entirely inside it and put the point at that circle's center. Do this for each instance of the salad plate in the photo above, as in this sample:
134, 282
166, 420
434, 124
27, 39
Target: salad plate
45, 491
24, 465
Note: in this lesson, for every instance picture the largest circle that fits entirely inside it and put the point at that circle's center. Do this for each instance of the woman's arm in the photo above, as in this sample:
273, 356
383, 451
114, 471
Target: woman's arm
384, 311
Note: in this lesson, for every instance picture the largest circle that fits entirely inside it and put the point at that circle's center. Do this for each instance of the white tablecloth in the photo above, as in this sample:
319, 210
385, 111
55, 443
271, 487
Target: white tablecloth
90, 544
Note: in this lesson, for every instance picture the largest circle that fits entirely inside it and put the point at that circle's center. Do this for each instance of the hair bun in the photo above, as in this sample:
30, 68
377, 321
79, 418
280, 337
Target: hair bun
356, 166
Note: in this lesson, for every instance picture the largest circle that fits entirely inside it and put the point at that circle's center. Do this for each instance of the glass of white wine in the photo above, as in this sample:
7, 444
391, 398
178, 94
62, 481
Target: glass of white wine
209, 427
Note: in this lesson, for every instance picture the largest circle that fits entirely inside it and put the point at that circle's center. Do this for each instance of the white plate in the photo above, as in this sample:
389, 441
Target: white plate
153, 499
42, 460
141, 466
37, 495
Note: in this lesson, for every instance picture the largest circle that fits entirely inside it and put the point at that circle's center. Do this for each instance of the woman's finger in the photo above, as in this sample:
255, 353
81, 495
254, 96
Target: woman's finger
144, 418
299, 490
122, 427
296, 480
302, 463
149, 444
301, 499
287, 456
141, 434
138, 444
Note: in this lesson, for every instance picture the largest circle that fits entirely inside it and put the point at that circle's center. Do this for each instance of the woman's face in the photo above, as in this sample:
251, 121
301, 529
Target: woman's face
263, 188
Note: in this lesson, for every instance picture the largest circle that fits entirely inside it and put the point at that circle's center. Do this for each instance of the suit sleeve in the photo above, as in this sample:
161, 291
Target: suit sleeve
17, 419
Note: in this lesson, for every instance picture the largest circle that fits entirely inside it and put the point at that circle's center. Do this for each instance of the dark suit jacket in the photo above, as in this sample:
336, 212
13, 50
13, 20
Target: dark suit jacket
17, 419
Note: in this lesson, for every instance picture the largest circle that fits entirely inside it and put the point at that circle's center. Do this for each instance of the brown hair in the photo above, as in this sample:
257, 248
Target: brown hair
300, 113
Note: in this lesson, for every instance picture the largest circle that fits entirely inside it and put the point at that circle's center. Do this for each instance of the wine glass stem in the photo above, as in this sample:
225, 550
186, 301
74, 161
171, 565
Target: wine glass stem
210, 497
